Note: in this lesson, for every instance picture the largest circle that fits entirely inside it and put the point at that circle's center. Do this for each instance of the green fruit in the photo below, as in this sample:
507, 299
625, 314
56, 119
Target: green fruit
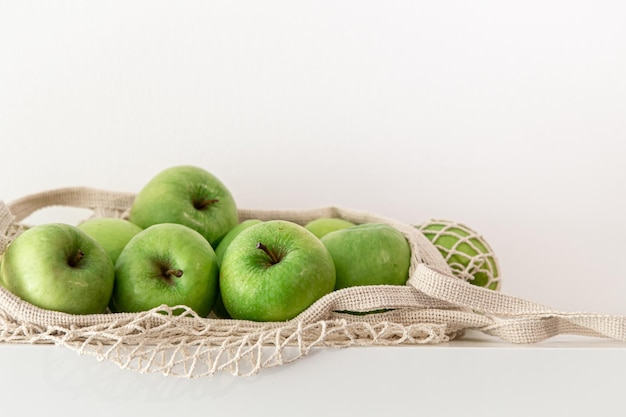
324, 225
369, 254
273, 271
58, 267
167, 264
467, 253
111, 233
190, 196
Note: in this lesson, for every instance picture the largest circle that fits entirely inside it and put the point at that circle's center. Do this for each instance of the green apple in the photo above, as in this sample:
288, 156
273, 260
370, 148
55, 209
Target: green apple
369, 254
111, 233
467, 253
166, 263
273, 271
186, 195
57, 266
324, 225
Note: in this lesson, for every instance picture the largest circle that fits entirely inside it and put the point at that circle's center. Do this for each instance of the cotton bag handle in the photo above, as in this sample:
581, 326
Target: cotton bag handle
514, 319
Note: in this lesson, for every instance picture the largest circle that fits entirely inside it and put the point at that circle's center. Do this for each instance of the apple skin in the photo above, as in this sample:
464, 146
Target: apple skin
186, 195
256, 287
369, 254
230, 236
57, 266
219, 309
324, 225
111, 233
141, 281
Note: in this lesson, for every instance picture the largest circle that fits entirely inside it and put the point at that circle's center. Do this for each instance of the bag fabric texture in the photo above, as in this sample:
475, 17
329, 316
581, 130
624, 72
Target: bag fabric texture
435, 306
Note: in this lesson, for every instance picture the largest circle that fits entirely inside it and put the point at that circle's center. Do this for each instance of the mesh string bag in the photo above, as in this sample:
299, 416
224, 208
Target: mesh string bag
435, 306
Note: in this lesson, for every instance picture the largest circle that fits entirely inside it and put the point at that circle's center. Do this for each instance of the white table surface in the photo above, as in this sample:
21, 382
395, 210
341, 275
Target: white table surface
473, 376
506, 116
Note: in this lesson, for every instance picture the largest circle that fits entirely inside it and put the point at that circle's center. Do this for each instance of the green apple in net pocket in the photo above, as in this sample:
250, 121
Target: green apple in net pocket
169, 264
273, 271
324, 225
190, 196
111, 233
467, 253
57, 266
369, 254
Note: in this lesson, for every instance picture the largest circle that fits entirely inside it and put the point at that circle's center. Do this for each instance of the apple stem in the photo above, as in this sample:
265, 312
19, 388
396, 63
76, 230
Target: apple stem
273, 258
201, 205
74, 260
176, 272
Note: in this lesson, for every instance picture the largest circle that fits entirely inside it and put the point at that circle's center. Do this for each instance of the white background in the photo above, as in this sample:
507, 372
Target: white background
506, 116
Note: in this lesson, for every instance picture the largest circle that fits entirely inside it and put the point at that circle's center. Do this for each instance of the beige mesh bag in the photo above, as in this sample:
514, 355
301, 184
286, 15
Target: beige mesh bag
434, 307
